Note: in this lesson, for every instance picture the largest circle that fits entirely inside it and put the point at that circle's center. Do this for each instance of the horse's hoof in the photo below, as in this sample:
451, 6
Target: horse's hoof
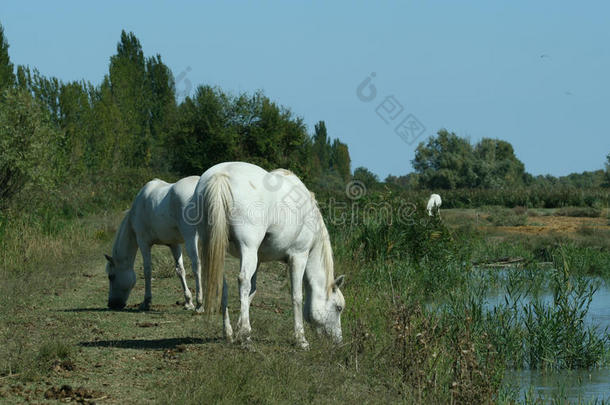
200, 309
303, 345
247, 345
145, 306
189, 306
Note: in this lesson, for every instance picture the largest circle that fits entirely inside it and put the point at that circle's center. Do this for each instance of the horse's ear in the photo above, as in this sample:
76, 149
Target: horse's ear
339, 281
109, 258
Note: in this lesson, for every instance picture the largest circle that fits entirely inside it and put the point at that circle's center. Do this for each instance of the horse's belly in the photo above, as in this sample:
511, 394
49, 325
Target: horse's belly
167, 236
266, 252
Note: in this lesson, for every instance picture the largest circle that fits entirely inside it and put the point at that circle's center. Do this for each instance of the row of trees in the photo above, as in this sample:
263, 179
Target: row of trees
448, 161
132, 120
51, 130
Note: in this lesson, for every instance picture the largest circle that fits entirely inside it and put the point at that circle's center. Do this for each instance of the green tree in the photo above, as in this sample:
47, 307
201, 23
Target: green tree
108, 143
162, 108
340, 160
607, 178
364, 175
496, 164
201, 136
409, 181
28, 144
7, 74
445, 162
128, 81
321, 147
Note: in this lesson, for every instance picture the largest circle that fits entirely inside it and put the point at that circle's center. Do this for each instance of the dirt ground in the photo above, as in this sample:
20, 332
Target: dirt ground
539, 222
558, 225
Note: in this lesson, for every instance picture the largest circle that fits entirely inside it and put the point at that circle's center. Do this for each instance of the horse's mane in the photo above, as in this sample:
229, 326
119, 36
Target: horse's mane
285, 172
123, 228
327, 251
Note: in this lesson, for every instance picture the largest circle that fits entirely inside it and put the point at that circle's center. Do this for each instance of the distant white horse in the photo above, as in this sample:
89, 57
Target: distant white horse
155, 218
263, 216
434, 202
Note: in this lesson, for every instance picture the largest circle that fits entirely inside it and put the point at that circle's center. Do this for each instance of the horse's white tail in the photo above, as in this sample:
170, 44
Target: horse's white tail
217, 201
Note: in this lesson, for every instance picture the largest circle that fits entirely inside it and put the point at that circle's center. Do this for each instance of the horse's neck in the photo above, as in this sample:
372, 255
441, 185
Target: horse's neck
319, 266
125, 246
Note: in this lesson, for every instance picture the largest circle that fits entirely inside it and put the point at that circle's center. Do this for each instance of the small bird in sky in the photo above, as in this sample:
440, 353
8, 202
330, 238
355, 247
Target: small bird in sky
544, 55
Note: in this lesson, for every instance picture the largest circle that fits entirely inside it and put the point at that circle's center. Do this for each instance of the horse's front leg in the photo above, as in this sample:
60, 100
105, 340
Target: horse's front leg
297, 270
147, 262
247, 269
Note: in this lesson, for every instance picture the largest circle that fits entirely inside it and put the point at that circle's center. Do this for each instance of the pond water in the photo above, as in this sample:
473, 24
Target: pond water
573, 385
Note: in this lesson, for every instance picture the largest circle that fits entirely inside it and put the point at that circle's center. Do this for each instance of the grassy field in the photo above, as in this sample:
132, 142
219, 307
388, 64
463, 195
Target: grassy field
58, 341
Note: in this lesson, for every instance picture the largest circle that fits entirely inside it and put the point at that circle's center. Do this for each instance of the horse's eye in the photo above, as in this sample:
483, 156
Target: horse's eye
111, 277
339, 308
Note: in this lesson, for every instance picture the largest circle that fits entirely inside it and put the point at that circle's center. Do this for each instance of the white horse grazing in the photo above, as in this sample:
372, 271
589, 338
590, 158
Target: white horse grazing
263, 216
434, 202
155, 218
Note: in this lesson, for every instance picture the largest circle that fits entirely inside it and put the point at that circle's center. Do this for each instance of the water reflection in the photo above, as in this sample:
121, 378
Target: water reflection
576, 386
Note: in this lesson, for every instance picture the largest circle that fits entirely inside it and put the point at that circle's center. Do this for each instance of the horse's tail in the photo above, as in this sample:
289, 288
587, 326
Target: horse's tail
217, 201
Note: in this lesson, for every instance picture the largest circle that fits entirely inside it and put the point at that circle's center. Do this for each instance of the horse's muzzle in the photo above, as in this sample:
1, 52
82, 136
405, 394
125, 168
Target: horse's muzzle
116, 304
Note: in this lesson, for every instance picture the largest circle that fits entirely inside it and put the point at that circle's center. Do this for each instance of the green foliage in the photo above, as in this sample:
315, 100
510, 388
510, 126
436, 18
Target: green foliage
321, 146
144, 92
368, 178
213, 127
445, 162
496, 164
449, 162
28, 145
7, 75
530, 197
607, 173
340, 160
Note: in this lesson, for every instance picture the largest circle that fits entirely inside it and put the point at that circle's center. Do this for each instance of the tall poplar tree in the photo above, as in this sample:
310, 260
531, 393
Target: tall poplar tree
7, 75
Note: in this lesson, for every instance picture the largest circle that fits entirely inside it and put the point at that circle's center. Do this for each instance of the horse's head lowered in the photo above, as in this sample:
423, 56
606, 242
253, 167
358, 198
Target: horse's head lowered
121, 280
325, 314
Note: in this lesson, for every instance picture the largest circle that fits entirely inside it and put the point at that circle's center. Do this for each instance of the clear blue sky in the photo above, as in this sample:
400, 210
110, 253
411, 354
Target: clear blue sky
533, 73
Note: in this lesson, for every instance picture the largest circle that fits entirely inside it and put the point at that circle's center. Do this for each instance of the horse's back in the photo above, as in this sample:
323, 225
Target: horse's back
269, 208
158, 208
182, 191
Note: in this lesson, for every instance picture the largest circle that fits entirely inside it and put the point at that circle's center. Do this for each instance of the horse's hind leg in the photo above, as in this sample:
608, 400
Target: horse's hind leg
188, 298
191, 249
248, 266
226, 321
